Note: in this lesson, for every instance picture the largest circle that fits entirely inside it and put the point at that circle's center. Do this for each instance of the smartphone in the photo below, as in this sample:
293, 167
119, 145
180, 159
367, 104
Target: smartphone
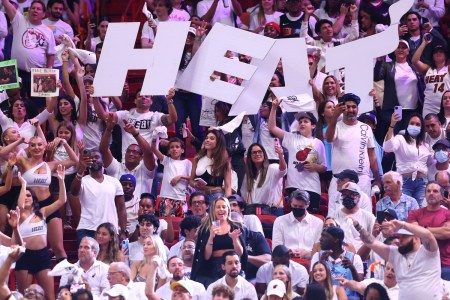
201, 181
126, 246
86, 154
398, 110
446, 194
381, 217
428, 37
277, 142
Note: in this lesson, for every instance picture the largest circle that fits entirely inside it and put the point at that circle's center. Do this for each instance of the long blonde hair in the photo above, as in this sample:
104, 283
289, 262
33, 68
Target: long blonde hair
208, 220
289, 289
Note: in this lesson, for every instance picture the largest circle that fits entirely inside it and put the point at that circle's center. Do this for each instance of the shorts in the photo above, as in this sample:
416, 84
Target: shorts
54, 184
48, 202
34, 261
10, 198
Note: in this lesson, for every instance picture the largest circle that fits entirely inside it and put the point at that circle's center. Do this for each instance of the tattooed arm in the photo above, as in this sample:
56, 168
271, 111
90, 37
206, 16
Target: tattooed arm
370, 241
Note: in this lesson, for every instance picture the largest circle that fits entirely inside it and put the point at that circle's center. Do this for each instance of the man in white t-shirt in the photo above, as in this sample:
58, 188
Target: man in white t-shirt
335, 203
128, 182
100, 196
353, 144
416, 261
351, 195
138, 158
94, 271
176, 267
304, 228
389, 283
221, 11
144, 120
33, 42
281, 256
56, 24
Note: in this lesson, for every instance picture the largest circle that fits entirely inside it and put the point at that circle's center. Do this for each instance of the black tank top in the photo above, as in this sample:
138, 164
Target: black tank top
290, 28
222, 242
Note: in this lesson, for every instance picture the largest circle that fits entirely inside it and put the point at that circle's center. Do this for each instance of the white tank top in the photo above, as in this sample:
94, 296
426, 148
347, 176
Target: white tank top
436, 83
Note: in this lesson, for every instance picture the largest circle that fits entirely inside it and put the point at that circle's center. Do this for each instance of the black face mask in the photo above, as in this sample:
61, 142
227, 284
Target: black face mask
298, 212
348, 202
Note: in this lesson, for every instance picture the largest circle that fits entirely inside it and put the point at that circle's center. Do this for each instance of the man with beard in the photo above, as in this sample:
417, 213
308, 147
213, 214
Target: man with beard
232, 267
176, 268
187, 255
351, 195
55, 10
436, 219
342, 263
95, 271
353, 144
389, 283
100, 196
417, 266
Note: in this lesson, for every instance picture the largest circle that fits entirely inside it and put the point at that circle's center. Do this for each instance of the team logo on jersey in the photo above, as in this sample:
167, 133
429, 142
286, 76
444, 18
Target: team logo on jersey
33, 38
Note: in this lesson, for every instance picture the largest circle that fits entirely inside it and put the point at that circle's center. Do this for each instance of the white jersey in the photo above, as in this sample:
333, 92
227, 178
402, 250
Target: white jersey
436, 83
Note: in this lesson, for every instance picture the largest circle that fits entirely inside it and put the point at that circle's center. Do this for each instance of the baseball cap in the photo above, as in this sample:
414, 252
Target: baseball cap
368, 115
404, 231
347, 173
391, 213
183, 283
308, 115
276, 288
192, 30
235, 197
443, 142
350, 97
351, 186
88, 77
117, 290
274, 25
439, 48
128, 177
404, 42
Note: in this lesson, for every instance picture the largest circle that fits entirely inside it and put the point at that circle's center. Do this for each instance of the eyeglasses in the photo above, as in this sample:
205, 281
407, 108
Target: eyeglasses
32, 292
257, 152
112, 273
200, 202
188, 247
135, 152
146, 224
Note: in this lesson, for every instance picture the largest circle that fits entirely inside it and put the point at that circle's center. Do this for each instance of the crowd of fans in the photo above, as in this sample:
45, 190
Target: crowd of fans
334, 203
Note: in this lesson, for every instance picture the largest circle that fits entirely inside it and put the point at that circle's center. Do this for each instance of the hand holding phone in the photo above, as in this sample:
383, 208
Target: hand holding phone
200, 182
399, 111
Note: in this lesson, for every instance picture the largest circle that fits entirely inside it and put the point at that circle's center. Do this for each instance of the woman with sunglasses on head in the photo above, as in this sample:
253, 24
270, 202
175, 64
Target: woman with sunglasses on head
263, 182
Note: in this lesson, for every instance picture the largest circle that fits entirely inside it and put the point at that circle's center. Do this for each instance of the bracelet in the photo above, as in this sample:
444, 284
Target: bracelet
136, 135
170, 101
391, 126
210, 244
79, 176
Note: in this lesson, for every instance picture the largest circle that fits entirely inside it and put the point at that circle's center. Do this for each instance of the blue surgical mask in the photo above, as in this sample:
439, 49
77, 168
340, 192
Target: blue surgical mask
413, 130
441, 156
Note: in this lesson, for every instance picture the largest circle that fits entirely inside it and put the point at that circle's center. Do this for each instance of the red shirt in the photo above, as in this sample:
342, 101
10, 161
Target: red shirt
437, 218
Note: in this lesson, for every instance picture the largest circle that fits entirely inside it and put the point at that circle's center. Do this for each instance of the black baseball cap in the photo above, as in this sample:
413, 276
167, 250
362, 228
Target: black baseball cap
443, 142
308, 115
347, 173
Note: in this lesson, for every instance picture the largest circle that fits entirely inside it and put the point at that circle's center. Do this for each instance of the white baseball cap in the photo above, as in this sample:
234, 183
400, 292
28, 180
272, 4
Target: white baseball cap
277, 288
351, 186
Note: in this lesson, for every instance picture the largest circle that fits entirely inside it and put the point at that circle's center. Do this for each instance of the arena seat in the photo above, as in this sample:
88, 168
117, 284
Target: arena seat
267, 224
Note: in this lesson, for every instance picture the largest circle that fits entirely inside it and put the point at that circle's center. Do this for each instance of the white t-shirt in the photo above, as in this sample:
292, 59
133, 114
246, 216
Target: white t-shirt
31, 43
255, 24
432, 171
93, 130
270, 191
164, 292
179, 15
418, 274
299, 274
172, 168
364, 218
243, 289
305, 149
392, 292
132, 207
98, 202
3, 29
267, 140
350, 148
145, 123
406, 86
58, 28
222, 15
253, 223
94, 42
144, 177
335, 203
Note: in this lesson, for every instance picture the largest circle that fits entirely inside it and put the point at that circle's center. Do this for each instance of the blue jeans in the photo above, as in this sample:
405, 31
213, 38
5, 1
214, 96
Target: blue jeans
81, 233
445, 273
415, 189
214, 196
188, 105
